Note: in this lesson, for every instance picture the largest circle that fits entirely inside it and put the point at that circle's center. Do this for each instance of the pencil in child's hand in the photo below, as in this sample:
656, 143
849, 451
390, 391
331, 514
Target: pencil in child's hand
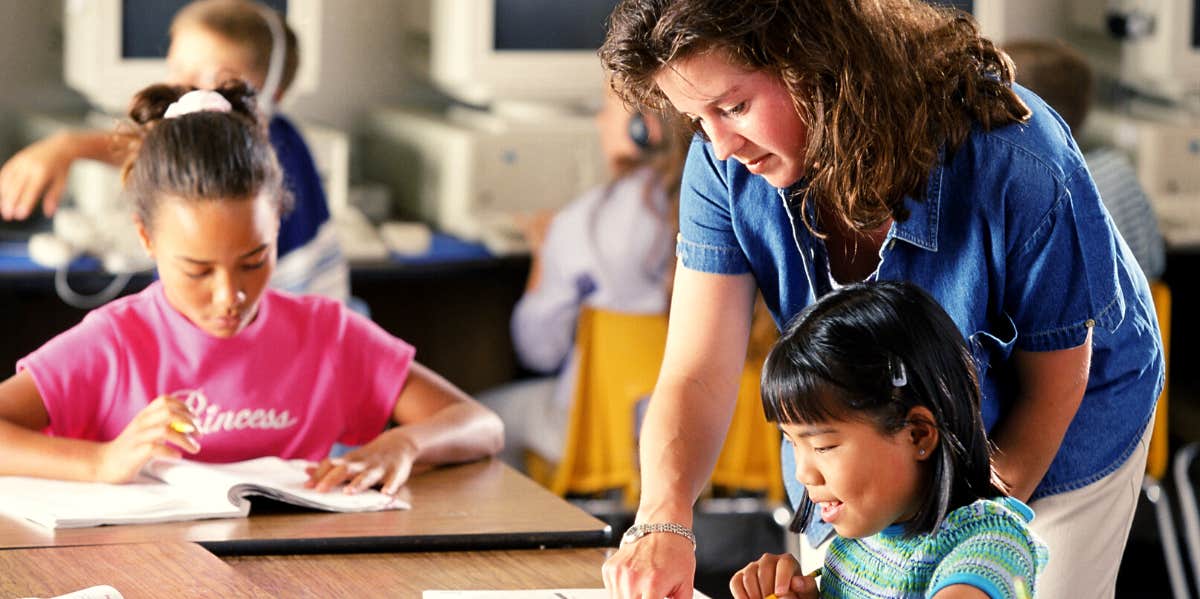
182, 427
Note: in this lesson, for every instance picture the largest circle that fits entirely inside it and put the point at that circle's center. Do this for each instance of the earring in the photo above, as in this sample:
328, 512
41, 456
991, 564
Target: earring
921, 452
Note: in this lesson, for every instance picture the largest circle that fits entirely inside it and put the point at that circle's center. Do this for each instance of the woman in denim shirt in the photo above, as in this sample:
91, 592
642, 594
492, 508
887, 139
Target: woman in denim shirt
848, 141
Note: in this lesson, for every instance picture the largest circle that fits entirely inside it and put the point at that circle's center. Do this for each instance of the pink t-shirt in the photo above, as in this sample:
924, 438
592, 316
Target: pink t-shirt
304, 374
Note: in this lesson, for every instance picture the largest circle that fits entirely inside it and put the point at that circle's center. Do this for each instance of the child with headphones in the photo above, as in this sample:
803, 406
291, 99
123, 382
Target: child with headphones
612, 248
213, 41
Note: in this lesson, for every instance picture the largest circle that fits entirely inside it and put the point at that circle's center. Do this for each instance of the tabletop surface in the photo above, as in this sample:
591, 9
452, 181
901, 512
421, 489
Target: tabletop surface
143, 570
481, 505
406, 575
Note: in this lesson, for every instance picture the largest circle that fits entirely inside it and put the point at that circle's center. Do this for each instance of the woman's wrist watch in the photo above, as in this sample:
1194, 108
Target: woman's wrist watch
640, 530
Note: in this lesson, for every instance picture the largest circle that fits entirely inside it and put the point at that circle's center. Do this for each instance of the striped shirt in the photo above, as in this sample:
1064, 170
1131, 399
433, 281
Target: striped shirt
986, 544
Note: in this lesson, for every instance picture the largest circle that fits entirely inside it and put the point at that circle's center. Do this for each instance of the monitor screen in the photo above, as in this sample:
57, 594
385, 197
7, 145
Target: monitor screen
112, 48
550, 25
146, 24
967, 6
540, 51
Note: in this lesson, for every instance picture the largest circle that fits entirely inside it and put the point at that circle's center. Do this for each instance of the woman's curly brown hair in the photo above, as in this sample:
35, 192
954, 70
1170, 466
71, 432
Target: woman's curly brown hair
882, 85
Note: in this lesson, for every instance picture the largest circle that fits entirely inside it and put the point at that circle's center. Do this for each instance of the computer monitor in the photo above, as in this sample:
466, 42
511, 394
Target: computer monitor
486, 52
1164, 59
113, 48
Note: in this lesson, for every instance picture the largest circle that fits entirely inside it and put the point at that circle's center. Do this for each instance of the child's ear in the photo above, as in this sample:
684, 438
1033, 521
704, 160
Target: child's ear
144, 236
922, 432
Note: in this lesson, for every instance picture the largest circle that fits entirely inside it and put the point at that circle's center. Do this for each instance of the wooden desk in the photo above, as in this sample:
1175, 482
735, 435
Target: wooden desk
482, 505
407, 574
174, 570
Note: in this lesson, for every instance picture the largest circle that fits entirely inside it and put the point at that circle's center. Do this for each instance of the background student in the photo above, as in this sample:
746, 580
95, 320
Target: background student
885, 140
611, 248
208, 348
1061, 76
211, 41
876, 391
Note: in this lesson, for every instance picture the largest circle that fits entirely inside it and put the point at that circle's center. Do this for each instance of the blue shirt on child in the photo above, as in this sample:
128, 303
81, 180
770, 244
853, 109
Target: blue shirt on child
310, 258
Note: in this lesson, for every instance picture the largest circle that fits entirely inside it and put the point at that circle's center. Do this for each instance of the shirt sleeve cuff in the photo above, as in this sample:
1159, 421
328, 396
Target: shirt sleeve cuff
711, 259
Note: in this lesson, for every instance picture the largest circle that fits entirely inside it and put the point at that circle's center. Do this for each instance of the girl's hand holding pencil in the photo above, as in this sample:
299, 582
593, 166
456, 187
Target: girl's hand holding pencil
774, 576
165, 429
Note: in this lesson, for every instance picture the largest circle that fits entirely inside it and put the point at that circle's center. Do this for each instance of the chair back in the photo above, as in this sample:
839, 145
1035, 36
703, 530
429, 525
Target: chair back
619, 356
1158, 453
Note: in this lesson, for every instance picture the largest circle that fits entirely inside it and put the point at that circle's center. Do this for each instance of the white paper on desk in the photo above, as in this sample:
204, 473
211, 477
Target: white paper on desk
528, 594
192, 491
98, 592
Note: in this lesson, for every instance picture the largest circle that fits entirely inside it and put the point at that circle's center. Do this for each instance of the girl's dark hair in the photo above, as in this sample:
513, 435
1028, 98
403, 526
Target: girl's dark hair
840, 358
881, 86
200, 156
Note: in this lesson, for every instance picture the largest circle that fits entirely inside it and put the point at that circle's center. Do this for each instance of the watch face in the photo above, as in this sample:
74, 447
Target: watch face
632, 535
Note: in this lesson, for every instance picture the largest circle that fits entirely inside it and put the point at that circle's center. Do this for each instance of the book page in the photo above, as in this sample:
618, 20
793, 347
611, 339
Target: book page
70, 504
528, 594
276, 478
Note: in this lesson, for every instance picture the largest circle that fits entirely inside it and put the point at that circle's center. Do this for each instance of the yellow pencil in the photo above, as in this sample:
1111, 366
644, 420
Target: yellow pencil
182, 427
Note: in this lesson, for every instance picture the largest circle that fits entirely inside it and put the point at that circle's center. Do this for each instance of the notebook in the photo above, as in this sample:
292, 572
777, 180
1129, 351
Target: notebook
167, 491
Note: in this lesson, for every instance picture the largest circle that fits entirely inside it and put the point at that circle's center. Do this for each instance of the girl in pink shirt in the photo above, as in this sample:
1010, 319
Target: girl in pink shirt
207, 361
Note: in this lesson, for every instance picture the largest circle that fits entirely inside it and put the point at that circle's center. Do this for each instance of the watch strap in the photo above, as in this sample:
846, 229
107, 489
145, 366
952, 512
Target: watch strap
640, 530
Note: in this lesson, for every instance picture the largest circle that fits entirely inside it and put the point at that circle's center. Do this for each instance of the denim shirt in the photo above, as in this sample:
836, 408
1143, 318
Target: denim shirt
1011, 239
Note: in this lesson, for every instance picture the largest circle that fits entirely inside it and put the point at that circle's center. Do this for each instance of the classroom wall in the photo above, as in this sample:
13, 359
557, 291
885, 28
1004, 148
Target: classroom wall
361, 60
31, 55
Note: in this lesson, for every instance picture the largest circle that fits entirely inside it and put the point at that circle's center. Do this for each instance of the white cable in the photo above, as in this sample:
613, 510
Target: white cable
87, 302
274, 77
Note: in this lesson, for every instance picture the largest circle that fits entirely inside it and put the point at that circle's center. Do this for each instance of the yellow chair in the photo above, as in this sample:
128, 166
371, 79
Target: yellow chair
619, 356
1158, 454
749, 460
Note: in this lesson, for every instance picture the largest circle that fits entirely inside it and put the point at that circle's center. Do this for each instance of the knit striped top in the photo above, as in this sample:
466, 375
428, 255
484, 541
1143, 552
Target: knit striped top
986, 544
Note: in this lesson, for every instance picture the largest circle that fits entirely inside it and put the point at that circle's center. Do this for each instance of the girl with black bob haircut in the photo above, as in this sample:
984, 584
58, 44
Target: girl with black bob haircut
876, 390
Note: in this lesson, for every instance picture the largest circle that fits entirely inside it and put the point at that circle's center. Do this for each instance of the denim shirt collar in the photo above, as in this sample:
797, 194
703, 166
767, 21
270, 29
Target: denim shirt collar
921, 227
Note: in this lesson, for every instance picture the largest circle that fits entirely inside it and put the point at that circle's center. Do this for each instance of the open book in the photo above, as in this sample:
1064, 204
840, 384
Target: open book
167, 491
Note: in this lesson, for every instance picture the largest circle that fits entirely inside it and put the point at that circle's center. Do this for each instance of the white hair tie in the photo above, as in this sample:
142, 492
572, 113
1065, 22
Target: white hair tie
199, 100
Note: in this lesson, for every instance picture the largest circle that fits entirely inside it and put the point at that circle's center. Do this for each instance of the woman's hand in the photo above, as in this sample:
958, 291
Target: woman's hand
777, 575
161, 427
37, 172
388, 460
654, 566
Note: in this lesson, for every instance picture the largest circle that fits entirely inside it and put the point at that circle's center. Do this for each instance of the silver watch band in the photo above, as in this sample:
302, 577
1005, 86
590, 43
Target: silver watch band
640, 530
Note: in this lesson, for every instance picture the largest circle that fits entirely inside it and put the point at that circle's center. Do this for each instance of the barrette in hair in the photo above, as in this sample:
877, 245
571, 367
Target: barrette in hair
899, 374
198, 100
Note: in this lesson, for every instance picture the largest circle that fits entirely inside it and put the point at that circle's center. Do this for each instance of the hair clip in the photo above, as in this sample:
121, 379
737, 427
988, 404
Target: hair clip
899, 375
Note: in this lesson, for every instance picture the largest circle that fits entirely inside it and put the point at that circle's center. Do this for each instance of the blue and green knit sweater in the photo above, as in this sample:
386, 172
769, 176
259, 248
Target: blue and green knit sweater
986, 544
